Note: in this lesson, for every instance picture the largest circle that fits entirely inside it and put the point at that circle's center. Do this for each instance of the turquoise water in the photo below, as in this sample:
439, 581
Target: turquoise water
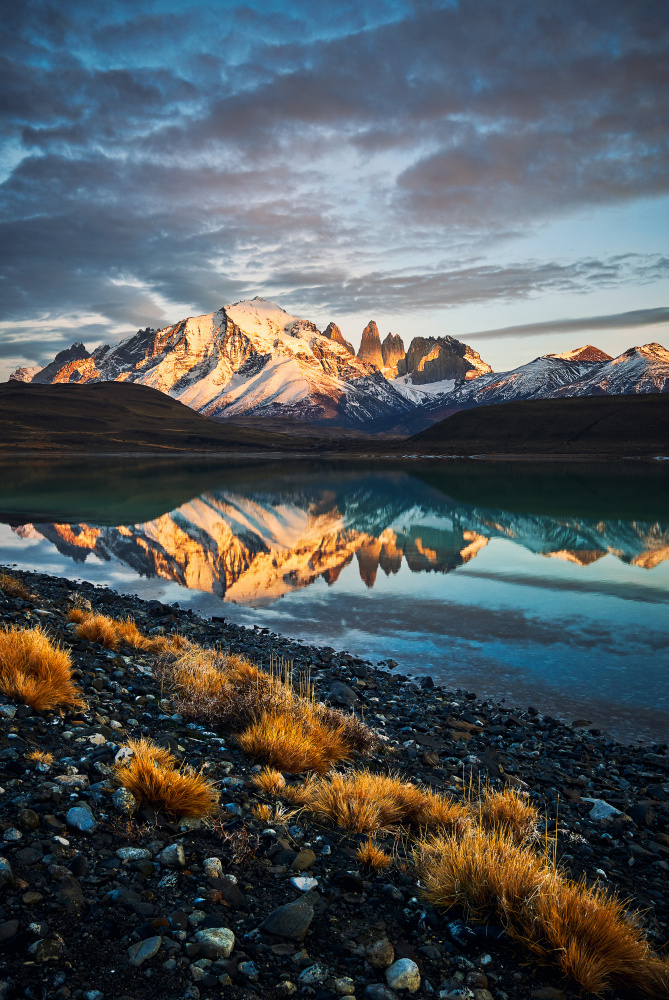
545, 584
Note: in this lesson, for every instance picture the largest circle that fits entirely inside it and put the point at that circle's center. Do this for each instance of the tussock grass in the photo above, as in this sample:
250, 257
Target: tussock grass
155, 778
12, 586
275, 815
270, 781
36, 671
114, 632
40, 757
365, 802
582, 930
508, 809
371, 854
271, 720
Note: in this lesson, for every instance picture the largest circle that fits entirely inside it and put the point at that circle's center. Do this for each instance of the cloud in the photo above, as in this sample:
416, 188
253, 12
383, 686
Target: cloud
182, 155
617, 321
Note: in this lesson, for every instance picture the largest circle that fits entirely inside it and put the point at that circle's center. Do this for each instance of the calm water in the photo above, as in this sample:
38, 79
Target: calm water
544, 584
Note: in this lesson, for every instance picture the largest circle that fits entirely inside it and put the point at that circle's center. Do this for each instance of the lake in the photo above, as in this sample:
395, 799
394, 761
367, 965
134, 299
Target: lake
545, 584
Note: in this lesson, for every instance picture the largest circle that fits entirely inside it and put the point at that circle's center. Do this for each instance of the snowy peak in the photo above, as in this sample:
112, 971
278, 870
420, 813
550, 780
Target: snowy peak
638, 370
25, 374
588, 353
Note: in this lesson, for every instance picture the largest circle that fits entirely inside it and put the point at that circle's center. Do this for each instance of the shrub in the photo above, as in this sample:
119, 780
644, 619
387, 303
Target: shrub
365, 802
12, 586
586, 932
36, 671
371, 854
155, 778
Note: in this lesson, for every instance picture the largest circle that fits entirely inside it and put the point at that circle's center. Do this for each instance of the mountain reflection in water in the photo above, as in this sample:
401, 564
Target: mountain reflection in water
257, 547
545, 584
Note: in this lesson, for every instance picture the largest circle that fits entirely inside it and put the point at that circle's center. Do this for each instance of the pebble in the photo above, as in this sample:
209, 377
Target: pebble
142, 951
290, 921
212, 867
403, 975
303, 883
344, 986
380, 954
124, 802
377, 992
173, 856
133, 853
314, 974
81, 819
216, 942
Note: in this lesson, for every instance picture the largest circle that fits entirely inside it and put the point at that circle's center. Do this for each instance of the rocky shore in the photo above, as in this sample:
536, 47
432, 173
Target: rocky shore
102, 902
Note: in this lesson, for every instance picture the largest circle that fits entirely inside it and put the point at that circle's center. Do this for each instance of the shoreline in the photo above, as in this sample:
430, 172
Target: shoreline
446, 740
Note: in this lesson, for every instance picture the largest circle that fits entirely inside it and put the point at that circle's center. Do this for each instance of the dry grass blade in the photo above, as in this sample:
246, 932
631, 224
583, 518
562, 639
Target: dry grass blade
509, 809
98, 628
40, 757
371, 854
12, 586
154, 777
36, 671
584, 931
112, 632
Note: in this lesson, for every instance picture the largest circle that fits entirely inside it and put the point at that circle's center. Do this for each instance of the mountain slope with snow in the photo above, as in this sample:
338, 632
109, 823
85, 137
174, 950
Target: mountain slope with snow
638, 370
249, 358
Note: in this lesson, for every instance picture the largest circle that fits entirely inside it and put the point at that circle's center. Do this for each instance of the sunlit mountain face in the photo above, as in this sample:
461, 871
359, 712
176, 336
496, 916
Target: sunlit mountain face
258, 546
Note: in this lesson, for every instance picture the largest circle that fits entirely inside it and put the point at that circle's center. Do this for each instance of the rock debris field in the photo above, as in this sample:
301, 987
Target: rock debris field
102, 900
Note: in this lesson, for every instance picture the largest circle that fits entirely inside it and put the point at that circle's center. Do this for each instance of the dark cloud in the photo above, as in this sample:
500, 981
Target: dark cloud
188, 154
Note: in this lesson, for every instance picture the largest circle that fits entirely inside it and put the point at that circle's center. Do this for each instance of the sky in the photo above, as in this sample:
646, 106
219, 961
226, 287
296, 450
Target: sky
498, 172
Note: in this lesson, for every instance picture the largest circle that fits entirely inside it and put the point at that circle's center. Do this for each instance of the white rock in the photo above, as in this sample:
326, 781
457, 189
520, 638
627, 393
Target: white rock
403, 975
314, 974
216, 942
144, 950
304, 883
133, 853
602, 810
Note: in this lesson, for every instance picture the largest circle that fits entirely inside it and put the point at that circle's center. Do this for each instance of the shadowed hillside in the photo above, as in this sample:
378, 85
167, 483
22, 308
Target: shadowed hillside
116, 416
590, 425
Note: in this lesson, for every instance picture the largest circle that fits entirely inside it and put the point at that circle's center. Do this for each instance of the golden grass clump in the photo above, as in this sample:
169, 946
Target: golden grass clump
371, 854
364, 802
12, 586
155, 778
36, 671
270, 781
295, 745
585, 932
271, 720
113, 632
98, 628
40, 757
508, 809
275, 815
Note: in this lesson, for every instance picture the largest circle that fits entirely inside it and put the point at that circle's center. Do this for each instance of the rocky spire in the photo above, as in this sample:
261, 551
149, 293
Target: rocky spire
392, 350
370, 345
332, 332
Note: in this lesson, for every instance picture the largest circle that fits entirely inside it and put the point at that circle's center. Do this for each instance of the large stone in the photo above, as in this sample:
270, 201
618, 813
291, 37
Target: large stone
133, 853
142, 951
215, 942
81, 819
212, 867
303, 860
601, 810
291, 921
403, 975
313, 975
48, 950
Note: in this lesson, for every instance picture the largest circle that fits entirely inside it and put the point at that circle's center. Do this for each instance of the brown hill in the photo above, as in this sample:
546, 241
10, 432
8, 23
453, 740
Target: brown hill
116, 416
589, 425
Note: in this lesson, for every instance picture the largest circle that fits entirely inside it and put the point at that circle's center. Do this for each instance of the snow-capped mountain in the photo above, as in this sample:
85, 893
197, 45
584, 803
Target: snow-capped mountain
249, 358
638, 370
25, 374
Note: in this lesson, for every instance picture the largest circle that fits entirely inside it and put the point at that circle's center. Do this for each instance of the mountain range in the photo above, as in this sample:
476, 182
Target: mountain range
252, 359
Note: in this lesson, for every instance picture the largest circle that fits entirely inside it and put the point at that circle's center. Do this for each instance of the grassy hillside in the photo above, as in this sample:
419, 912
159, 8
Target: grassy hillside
113, 417
607, 426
